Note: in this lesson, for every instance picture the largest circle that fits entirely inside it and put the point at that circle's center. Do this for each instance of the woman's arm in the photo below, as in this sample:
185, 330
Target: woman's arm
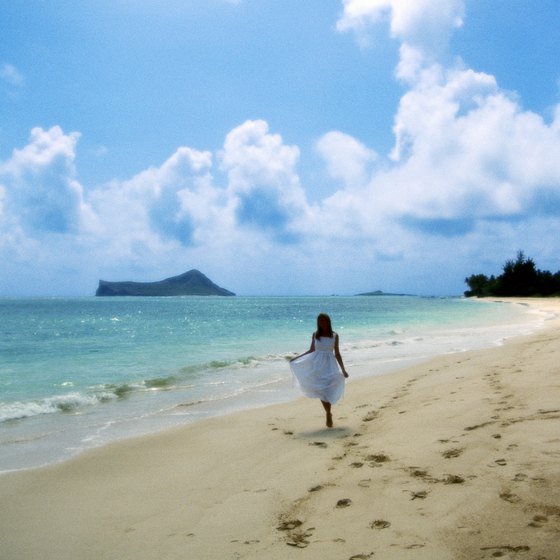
311, 349
339, 357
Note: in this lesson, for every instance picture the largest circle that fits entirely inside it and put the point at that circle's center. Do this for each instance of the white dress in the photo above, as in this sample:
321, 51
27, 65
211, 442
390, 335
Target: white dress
317, 373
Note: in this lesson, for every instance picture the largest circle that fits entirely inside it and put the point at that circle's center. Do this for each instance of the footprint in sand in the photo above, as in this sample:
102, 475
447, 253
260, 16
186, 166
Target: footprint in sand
453, 479
380, 524
477, 426
510, 497
418, 473
501, 551
344, 503
538, 521
377, 458
296, 537
299, 540
289, 525
452, 453
371, 415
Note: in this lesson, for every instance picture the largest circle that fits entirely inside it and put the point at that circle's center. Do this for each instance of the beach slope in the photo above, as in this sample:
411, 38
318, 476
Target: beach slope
453, 458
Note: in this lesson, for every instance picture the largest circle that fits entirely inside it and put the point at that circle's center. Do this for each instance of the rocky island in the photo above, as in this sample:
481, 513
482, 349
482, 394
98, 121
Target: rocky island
191, 283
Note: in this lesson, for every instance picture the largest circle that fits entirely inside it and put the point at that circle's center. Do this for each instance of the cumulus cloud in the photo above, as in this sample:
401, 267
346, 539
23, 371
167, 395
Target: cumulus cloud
465, 150
346, 159
426, 25
39, 183
263, 183
159, 209
161, 214
423, 28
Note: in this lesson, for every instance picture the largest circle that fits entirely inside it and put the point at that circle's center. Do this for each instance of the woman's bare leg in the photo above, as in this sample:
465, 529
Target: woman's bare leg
327, 407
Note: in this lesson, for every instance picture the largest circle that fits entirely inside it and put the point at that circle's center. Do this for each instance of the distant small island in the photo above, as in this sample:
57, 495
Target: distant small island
380, 293
191, 283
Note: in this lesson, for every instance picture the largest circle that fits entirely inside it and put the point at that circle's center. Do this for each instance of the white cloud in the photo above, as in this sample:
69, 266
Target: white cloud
347, 159
161, 216
467, 151
158, 206
41, 191
44, 147
424, 24
361, 13
11, 75
469, 159
263, 184
251, 154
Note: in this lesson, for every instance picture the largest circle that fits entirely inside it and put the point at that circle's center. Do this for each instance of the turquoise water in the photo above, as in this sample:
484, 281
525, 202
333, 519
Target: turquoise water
76, 373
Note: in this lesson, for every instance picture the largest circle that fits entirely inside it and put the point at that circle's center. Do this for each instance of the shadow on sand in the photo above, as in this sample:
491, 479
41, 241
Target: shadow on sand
327, 433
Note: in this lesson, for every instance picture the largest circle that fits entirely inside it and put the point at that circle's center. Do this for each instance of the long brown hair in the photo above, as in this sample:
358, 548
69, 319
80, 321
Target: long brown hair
328, 332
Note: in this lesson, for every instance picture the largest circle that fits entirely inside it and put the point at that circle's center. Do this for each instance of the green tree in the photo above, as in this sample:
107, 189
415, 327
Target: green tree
520, 277
479, 285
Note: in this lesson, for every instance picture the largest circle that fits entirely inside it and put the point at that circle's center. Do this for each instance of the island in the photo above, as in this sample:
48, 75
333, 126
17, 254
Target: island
191, 283
380, 293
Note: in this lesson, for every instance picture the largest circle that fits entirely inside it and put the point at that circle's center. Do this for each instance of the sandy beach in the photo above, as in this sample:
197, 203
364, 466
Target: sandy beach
453, 458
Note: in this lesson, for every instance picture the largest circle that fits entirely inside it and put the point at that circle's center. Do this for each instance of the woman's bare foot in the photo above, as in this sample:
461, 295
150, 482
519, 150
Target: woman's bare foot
329, 420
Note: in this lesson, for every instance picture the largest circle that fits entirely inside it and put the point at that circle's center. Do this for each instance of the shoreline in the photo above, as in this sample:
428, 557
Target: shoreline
54, 437
452, 457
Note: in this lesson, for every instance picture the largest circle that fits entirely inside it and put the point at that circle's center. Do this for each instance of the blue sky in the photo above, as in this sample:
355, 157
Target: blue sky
280, 146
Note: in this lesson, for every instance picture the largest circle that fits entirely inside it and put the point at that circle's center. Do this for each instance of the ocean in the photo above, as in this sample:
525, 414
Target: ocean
78, 373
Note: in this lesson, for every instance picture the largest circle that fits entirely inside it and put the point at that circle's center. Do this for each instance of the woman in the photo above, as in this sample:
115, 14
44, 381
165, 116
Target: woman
316, 370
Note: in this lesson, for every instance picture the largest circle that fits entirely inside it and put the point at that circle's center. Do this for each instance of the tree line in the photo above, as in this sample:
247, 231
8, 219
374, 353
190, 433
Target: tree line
520, 278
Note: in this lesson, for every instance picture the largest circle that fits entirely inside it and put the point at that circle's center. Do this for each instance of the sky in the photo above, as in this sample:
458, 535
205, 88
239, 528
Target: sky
281, 147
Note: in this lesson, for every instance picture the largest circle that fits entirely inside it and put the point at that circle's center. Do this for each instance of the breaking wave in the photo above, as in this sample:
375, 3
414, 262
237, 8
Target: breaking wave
73, 402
